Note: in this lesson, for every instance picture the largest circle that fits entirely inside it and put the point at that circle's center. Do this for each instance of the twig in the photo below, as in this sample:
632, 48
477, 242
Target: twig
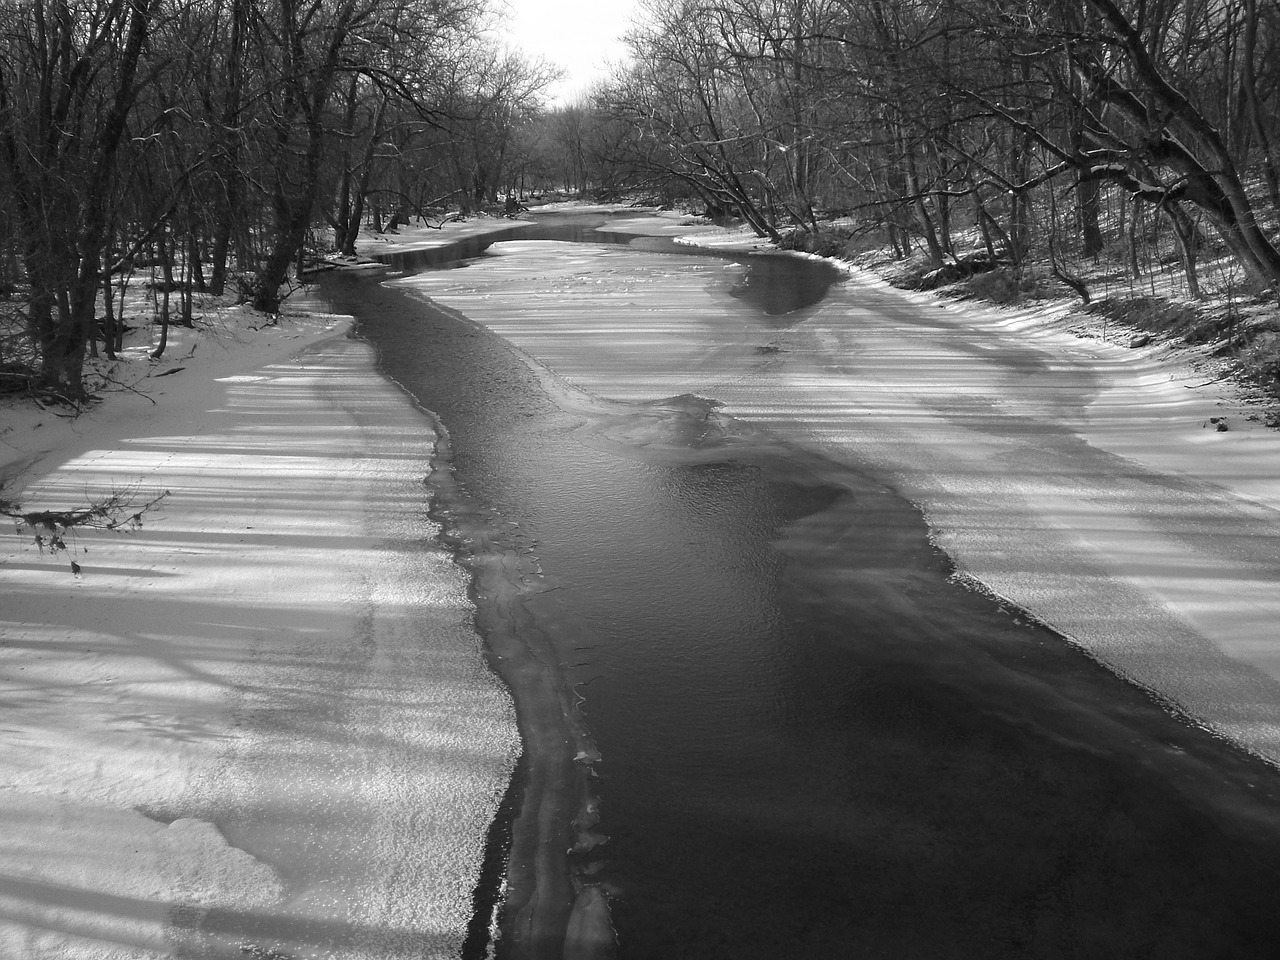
50, 528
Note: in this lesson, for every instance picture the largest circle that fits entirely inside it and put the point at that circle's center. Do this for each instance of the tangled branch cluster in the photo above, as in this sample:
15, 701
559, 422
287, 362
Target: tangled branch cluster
50, 529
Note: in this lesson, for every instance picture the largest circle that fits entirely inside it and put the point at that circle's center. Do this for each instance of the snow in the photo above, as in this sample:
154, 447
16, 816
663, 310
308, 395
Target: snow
422, 235
261, 725
262, 722
1082, 480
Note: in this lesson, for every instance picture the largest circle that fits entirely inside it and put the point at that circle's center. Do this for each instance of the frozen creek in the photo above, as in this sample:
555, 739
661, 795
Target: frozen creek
798, 730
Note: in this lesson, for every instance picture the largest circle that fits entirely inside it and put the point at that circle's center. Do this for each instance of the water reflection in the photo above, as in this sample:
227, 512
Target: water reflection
779, 286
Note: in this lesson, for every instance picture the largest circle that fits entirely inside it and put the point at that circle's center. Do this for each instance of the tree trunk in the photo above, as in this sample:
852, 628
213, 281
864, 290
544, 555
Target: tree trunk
1087, 208
166, 282
226, 159
109, 324
1213, 180
918, 208
307, 94
1253, 105
1184, 230
1135, 228
195, 267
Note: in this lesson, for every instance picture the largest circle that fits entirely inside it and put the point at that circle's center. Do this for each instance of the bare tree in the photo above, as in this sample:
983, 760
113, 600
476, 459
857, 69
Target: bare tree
69, 79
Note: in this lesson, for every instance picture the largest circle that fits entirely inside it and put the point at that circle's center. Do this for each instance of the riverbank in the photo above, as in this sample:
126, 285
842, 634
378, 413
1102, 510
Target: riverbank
260, 725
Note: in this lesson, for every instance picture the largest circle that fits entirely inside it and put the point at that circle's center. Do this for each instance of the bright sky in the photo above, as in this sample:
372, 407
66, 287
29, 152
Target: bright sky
581, 36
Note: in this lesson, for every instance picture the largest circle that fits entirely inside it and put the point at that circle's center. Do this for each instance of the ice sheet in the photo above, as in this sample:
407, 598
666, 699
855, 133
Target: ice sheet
1079, 479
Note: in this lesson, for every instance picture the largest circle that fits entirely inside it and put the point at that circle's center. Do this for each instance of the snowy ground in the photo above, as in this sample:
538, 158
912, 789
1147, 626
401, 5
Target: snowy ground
423, 235
1085, 481
261, 725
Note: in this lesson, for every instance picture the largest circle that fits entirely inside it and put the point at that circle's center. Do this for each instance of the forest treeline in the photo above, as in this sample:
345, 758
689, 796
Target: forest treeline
215, 141
208, 140
1021, 126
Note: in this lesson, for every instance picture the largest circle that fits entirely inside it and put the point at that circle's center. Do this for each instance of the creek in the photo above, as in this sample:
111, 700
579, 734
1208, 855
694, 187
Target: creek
762, 713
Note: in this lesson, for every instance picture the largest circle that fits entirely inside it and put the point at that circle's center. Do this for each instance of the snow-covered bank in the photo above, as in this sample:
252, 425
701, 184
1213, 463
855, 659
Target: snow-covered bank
263, 722
422, 235
1082, 480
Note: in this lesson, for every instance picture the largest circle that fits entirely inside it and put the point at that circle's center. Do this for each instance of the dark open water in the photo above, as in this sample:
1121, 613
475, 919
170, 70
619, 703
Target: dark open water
813, 742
